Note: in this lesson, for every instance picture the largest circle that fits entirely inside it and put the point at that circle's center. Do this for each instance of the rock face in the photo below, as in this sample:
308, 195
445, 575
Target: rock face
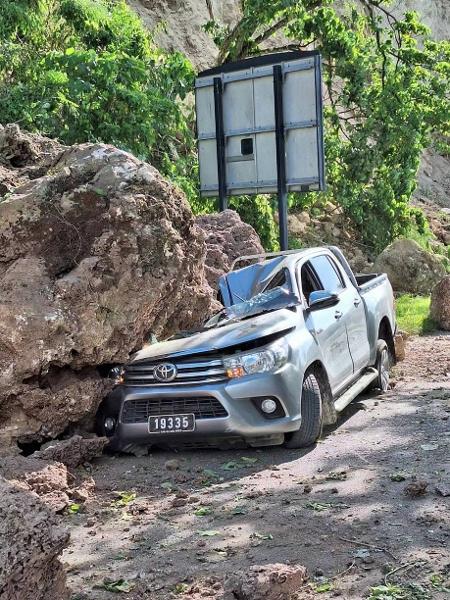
440, 304
227, 238
184, 22
97, 250
32, 540
409, 267
267, 582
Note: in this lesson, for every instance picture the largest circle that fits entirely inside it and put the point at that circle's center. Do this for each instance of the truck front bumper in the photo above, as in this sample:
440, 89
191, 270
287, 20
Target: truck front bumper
240, 401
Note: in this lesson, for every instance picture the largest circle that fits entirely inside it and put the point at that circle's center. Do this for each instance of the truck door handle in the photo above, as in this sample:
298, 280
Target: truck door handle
357, 301
338, 314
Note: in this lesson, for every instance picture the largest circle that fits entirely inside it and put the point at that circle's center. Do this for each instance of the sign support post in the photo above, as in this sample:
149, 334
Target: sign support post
220, 141
281, 156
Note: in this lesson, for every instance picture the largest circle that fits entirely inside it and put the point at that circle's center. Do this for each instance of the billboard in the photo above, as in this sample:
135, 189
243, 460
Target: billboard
260, 126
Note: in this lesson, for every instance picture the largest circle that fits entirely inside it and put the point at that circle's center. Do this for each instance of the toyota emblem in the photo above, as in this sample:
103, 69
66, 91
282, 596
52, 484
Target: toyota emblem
165, 372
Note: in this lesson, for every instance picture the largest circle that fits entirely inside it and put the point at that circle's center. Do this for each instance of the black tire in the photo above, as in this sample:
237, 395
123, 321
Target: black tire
311, 409
382, 366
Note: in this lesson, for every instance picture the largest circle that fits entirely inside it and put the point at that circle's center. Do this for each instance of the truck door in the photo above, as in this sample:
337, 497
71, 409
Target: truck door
327, 325
352, 307
356, 323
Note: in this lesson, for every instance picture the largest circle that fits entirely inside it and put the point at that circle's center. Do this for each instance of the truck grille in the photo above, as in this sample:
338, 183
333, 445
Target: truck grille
138, 411
190, 370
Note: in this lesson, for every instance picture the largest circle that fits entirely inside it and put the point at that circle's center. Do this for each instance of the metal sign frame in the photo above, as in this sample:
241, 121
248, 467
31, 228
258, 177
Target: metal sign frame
278, 66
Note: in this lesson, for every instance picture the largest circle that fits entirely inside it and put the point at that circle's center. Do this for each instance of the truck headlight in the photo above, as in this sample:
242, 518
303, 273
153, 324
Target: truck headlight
262, 361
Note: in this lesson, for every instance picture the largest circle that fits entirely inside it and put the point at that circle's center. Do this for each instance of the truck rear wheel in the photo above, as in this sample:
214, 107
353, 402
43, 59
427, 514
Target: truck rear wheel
311, 410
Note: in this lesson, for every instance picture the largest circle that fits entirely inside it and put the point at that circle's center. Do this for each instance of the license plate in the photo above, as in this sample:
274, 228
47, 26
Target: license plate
171, 423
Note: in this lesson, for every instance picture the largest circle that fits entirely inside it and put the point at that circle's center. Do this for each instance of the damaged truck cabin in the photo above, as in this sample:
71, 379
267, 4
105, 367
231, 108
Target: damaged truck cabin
300, 336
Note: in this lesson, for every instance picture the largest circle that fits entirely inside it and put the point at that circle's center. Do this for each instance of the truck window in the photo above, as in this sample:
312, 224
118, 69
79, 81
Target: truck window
279, 280
309, 281
328, 274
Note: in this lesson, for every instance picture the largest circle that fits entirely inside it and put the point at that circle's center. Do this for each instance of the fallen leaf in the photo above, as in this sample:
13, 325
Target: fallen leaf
336, 476
249, 460
429, 447
203, 511
180, 588
321, 588
239, 510
231, 465
73, 508
207, 532
318, 506
123, 498
167, 485
120, 585
262, 536
397, 477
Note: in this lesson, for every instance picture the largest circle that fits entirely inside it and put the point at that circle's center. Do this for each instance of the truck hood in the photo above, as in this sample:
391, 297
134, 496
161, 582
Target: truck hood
220, 338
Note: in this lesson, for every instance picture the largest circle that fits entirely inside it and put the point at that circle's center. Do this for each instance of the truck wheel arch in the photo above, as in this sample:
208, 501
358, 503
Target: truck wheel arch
385, 333
329, 412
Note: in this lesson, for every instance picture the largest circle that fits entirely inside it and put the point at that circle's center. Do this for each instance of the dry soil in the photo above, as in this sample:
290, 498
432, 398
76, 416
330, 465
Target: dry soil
365, 506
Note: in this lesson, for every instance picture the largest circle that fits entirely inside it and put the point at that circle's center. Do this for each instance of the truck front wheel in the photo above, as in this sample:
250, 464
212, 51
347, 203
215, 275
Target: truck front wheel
311, 411
382, 366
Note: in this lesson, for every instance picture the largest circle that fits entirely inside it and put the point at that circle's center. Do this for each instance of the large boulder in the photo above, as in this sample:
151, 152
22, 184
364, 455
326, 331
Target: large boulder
32, 540
409, 267
227, 238
440, 304
97, 251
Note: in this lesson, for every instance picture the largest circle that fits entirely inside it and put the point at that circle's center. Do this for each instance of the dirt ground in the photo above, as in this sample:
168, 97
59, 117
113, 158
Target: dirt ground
365, 507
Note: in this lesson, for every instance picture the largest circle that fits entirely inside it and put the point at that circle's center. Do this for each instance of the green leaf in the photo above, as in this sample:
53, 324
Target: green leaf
73, 508
249, 460
203, 511
167, 485
397, 477
320, 588
118, 586
319, 506
231, 466
207, 532
239, 510
123, 498
262, 536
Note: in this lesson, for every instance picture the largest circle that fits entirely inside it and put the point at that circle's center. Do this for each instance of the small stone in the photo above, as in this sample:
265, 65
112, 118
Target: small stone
179, 502
172, 465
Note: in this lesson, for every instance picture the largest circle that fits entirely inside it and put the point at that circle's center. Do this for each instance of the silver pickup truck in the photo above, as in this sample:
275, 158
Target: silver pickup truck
300, 336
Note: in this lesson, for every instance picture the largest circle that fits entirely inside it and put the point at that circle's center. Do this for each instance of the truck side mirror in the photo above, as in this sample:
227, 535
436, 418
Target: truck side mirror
322, 299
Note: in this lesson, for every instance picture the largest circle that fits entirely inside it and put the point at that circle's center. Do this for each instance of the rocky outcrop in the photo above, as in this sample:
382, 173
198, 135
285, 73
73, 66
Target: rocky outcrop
180, 25
440, 304
52, 474
97, 250
331, 227
73, 451
32, 540
227, 238
409, 267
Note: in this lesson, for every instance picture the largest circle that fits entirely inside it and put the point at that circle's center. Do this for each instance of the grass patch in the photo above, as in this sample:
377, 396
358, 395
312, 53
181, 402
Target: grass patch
413, 314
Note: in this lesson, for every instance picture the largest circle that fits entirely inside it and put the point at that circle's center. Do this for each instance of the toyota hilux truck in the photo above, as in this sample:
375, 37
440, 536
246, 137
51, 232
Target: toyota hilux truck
300, 336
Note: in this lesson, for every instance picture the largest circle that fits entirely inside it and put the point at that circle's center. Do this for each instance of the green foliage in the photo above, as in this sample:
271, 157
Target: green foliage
413, 314
386, 92
87, 70
258, 212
